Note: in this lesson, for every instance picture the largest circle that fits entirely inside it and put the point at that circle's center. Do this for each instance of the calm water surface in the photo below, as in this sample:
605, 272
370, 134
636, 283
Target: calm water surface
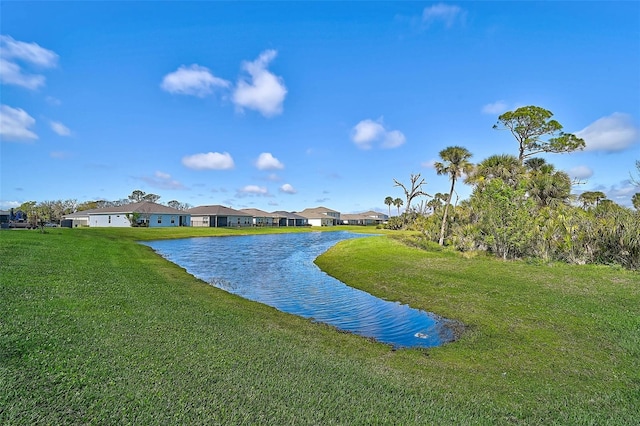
278, 270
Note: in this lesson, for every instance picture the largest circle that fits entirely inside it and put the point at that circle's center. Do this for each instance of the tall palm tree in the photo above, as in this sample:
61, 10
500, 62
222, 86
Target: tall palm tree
398, 202
455, 164
388, 201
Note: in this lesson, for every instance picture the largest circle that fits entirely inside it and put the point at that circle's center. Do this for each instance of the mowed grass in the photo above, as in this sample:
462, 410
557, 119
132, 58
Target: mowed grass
96, 328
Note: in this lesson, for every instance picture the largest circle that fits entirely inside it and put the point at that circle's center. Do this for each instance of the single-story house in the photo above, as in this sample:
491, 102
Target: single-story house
144, 213
367, 218
321, 216
218, 216
76, 219
283, 218
261, 218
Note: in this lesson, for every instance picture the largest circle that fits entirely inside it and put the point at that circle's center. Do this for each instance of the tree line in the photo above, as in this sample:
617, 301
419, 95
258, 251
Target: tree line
521, 206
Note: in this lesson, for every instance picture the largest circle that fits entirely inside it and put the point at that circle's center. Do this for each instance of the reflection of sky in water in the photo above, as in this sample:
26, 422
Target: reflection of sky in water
278, 270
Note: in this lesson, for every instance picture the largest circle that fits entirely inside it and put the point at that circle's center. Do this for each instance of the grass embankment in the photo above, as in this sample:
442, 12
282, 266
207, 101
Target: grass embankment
95, 328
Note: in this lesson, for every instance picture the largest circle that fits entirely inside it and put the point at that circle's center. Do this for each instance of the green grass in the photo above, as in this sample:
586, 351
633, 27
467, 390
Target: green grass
95, 328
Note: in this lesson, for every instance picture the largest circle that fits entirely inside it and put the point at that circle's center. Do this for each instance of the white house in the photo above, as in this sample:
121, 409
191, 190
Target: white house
144, 213
321, 216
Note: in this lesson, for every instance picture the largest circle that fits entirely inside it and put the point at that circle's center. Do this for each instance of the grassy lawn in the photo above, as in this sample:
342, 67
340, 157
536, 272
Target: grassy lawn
95, 328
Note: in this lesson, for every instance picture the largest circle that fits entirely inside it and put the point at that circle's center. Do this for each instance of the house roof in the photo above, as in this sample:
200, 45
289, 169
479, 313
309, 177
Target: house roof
257, 213
288, 215
144, 207
316, 212
215, 210
374, 214
355, 216
80, 213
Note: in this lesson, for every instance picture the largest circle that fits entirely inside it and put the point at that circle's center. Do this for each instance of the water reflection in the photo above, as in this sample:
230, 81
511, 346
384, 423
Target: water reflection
278, 270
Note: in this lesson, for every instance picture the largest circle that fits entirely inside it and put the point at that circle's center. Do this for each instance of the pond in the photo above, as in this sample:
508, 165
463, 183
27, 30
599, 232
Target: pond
279, 270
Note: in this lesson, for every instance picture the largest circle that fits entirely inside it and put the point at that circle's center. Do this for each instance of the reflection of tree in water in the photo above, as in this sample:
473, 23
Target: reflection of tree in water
223, 283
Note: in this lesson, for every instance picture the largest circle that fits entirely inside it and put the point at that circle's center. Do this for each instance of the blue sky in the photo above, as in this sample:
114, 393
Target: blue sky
288, 105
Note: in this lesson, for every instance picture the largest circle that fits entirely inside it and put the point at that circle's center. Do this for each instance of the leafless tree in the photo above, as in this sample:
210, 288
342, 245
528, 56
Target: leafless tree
415, 189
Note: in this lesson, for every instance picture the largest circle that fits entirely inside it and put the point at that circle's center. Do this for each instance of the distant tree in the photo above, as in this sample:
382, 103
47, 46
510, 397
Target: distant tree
414, 191
175, 204
636, 201
87, 205
530, 124
591, 198
151, 197
398, 203
548, 186
137, 196
388, 201
455, 163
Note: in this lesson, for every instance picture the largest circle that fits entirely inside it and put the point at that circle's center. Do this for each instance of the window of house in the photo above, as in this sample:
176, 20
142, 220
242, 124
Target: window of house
159, 219
173, 219
109, 218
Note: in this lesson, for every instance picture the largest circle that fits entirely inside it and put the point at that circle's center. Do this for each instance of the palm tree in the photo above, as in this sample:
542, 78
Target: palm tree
501, 166
398, 202
388, 201
455, 164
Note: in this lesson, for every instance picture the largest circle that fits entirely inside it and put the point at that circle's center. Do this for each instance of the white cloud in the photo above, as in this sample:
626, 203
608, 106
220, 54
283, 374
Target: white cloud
15, 124
615, 132
443, 12
209, 161
393, 139
497, 107
11, 73
253, 190
13, 52
28, 52
60, 128
287, 189
265, 92
162, 180
581, 172
266, 161
7, 205
192, 80
367, 132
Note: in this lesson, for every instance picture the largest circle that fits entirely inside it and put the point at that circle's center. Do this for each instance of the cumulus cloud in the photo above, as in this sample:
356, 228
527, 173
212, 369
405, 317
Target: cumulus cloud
7, 205
497, 107
263, 91
615, 132
15, 54
15, 124
60, 128
287, 189
580, 172
367, 132
253, 190
209, 161
441, 12
266, 161
192, 80
162, 180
